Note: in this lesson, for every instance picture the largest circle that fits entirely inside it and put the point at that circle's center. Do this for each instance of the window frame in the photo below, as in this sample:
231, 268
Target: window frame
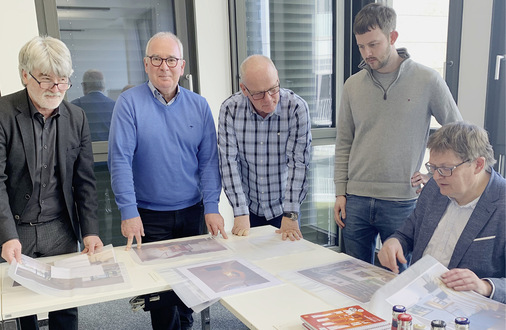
47, 20
238, 52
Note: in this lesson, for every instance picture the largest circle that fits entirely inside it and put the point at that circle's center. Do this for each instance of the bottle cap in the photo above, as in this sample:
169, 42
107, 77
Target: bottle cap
404, 317
438, 324
399, 309
462, 320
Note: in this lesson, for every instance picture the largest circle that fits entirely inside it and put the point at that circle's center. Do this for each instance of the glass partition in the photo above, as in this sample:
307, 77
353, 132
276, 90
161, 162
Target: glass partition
108, 36
298, 37
107, 40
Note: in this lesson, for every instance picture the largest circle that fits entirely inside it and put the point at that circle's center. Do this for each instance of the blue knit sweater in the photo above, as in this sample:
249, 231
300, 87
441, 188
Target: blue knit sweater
163, 157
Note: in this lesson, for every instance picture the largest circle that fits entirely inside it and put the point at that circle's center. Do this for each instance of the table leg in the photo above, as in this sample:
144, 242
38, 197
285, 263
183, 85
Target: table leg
206, 319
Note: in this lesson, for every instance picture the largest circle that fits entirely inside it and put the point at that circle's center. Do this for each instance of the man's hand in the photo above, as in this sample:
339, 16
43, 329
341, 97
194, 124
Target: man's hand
340, 210
92, 243
419, 180
215, 224
11, 250
131, 228
390, 252
289, 229
241, 225
461, 279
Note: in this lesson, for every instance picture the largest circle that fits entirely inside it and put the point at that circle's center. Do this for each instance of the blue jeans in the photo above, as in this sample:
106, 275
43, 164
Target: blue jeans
367, 217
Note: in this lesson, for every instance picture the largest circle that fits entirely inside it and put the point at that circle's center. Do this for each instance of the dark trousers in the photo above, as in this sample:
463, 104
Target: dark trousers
257, 221
49, 239
171, 313
61, 320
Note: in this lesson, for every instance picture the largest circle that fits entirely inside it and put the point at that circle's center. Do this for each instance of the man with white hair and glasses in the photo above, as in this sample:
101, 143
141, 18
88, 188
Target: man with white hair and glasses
48, 198
460, 215
163, 161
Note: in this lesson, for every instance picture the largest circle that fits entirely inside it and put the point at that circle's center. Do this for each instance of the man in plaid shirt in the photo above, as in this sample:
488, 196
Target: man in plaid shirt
264, 141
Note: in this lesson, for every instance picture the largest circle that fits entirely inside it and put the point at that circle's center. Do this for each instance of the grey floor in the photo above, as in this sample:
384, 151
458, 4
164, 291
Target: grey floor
118, 315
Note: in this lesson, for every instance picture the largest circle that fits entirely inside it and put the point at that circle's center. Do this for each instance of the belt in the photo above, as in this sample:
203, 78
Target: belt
34, 224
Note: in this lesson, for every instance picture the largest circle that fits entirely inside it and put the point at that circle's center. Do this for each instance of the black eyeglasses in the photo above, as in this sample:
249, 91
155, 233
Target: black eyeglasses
260, 95
49, 84
157, 61
443, 171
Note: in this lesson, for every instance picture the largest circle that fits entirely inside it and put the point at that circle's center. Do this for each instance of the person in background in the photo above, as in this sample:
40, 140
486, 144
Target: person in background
460, 216
97, 106
264, 141
382, 129
48, 198
163, 161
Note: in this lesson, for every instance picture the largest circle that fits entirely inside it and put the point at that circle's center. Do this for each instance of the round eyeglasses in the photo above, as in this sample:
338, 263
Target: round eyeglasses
260, 95
443, 171
157, 61
49, 84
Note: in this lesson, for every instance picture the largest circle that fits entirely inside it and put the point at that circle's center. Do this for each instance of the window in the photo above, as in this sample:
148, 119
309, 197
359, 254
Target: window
317, 211
110, 36
297, 36
312, 44
427, 45
300, 38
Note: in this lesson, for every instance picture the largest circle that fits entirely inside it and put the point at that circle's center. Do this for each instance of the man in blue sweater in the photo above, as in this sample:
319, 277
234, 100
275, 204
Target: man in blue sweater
382, 130
164, 163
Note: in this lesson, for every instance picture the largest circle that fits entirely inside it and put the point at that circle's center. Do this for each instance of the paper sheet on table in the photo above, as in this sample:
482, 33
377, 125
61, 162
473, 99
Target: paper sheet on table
102, 256
174, 250
426, 297
266, 246
204, 283
353, 278
78, 272
101, 274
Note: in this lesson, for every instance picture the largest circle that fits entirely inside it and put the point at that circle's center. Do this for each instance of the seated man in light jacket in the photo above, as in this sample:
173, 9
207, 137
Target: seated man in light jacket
460, 215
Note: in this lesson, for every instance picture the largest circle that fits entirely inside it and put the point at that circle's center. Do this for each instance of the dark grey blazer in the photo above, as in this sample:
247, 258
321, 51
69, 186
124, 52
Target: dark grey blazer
17, 165
481, 246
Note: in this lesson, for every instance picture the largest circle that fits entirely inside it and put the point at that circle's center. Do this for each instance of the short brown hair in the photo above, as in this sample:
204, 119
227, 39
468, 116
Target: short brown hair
375, 15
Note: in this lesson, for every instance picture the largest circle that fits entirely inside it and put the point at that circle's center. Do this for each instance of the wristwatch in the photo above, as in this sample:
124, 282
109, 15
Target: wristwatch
291, 215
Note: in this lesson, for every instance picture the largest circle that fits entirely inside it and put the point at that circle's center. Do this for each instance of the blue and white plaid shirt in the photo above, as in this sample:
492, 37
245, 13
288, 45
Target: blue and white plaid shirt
264, 161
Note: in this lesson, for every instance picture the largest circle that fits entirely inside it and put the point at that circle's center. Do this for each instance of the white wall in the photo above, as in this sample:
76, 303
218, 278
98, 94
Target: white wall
477, 20
213, 44
18, 24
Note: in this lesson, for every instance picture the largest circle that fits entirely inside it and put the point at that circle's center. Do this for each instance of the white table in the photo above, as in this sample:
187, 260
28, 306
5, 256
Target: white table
280, 307
276, 307
19, 301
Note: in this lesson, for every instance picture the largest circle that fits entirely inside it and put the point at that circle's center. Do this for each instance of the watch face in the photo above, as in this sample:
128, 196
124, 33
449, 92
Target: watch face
291, 215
